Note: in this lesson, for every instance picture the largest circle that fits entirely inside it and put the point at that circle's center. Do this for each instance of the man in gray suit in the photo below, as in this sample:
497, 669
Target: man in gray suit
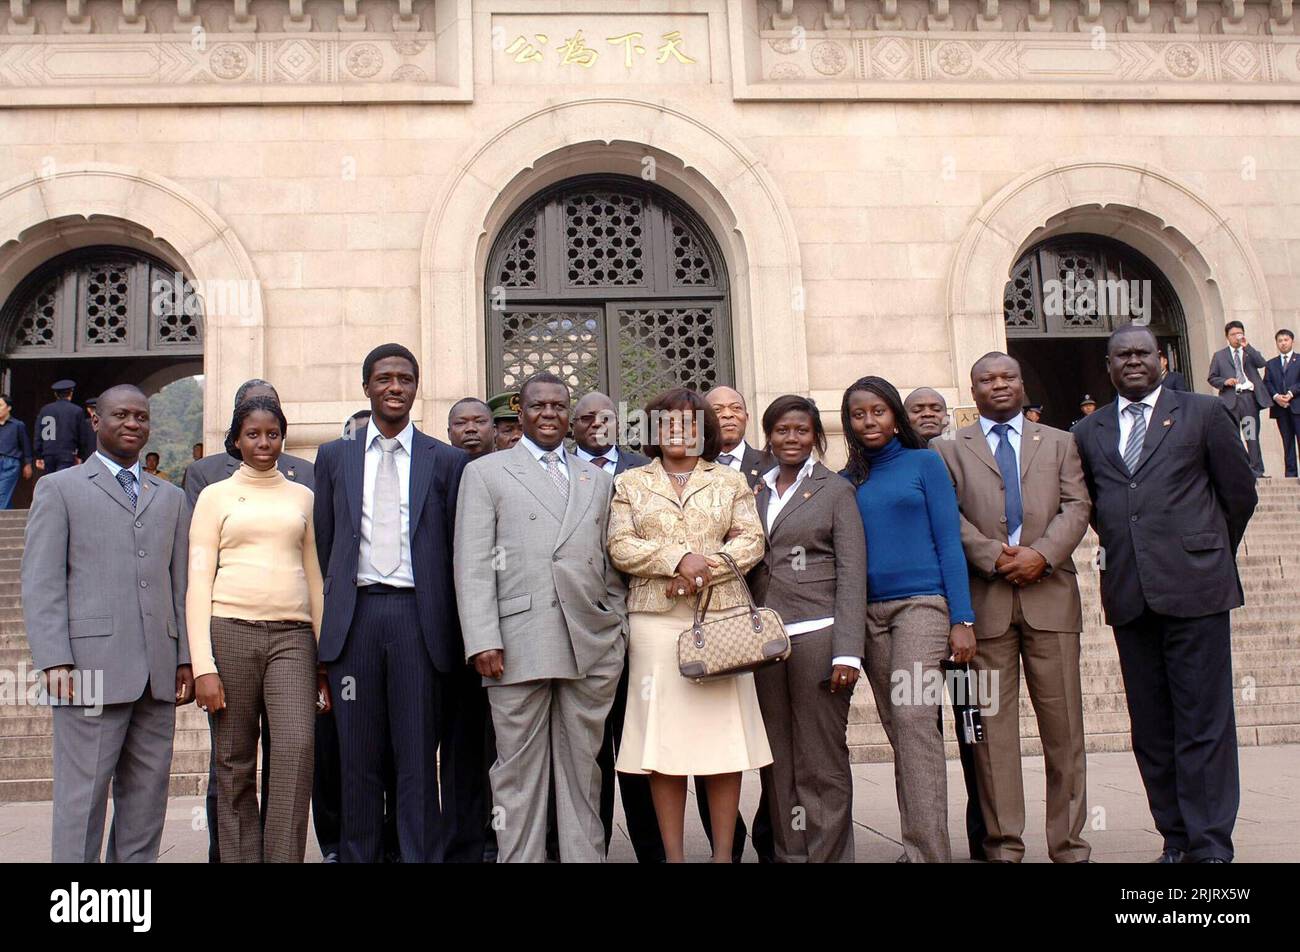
103, 577
543, 614
1234, 373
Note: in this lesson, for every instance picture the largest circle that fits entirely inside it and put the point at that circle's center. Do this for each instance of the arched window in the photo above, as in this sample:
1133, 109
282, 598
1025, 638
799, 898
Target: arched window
102, 302
612, 284
1086, 286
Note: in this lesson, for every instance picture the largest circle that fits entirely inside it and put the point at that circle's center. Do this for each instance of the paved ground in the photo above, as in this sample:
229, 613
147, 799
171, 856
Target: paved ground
1120, 829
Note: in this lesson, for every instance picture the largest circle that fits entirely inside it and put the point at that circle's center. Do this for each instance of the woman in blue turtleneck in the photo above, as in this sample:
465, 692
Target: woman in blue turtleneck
918, 600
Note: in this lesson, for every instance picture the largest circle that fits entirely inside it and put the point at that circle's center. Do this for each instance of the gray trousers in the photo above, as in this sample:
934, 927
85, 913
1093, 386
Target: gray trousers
809, 784
129, 745
901, 634
555, 725
265, 666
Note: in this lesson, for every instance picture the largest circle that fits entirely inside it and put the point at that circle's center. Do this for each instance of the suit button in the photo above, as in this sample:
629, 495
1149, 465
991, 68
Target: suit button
1002, 518
1132, 518
143, 583
141, 553
1132, 485
555, 558
554, 603
532, 515
139, 525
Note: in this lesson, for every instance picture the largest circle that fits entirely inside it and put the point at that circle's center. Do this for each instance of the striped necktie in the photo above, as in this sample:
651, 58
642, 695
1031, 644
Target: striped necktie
1136, 436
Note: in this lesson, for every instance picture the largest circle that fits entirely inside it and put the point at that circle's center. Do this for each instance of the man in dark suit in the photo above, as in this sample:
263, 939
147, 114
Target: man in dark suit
1172, 379
1172, 493
1282, 381
595, 434
1234, 373
467, 736
927, 411
385, 519
204, 471
59, 438
733, 419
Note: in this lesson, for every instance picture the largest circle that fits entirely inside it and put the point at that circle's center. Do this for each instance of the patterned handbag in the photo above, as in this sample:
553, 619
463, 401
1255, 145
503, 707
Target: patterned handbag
740, 640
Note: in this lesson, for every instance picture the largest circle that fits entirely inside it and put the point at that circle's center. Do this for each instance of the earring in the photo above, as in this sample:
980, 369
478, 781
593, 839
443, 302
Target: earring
895, 431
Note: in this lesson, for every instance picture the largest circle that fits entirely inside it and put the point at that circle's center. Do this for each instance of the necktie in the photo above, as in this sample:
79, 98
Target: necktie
601, 461
1006, 460
726, 459
557, 473
127, 479
1136, 436
1236, 360
386, 517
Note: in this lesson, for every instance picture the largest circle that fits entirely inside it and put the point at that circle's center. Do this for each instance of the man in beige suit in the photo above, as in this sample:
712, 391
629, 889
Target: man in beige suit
1024, 508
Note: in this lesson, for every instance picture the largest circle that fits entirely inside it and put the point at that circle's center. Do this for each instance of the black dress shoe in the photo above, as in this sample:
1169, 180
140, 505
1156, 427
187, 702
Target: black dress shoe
1211, 859
1170, 855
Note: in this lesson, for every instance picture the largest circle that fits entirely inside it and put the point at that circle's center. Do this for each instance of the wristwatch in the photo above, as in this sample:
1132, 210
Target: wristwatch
966, 624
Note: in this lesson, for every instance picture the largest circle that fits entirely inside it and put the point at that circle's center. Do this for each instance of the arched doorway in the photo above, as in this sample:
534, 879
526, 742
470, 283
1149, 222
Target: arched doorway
614, 285
1065, 296
99, 315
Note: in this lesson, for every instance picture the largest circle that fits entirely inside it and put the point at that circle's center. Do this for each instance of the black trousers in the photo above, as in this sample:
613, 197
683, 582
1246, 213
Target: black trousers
638, 806
1286, 425
466, 792
1178, 679
210, 805
327, 792
386, 691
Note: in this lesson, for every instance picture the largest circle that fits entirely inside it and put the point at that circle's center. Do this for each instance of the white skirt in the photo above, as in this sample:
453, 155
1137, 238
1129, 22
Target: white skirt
675, 726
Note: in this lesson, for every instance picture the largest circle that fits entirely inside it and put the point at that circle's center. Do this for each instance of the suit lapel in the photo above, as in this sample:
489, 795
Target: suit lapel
1163, 420
974, 439
98, 473
581, 489
354, 473
1031, 438
525, 468
421, 475
807, 489
1107, 431
148, 490
753, 464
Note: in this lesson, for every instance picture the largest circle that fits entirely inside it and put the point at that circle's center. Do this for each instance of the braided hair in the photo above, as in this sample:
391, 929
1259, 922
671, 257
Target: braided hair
859, 466
246, 409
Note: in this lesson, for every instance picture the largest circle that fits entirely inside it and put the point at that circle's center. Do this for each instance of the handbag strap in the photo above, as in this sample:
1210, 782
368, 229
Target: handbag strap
703, 597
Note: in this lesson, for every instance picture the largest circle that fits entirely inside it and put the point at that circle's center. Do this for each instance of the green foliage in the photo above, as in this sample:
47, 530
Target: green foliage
177, 424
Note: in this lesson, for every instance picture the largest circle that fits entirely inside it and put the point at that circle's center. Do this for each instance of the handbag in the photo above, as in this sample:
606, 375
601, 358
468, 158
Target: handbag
741, 640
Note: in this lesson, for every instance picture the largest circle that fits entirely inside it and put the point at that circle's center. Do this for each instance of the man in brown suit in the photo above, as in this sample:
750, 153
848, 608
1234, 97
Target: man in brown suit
1024, 508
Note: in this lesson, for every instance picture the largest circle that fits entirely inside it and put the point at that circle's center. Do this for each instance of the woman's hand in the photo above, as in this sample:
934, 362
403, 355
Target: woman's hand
961, 642
843, 676
209, 693
324, 703
694, 572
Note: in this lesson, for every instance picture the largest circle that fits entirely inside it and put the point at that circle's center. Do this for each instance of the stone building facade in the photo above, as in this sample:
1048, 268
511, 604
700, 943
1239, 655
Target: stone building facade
779, 194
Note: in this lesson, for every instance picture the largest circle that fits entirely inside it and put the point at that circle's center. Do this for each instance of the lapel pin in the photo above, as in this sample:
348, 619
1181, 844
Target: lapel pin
807, 495
582, 477
1168, 423
290, 474
1037, 437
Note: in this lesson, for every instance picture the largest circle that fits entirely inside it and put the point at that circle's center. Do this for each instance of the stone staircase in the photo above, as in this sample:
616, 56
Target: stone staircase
1265, 646
26, 761
1266, 663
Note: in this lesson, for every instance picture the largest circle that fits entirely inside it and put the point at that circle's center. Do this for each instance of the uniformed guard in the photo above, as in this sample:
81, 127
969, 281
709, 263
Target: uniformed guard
505, 414
59, 433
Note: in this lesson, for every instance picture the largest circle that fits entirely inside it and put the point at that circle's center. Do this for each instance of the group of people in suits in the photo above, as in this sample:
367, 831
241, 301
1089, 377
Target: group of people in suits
481, 636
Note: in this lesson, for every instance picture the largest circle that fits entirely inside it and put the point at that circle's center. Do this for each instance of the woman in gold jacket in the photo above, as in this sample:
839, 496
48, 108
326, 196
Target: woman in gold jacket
668, 522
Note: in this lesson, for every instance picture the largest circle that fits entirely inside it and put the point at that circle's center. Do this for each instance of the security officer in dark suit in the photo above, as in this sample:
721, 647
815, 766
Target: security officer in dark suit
595, 439
58, 438
1172, 492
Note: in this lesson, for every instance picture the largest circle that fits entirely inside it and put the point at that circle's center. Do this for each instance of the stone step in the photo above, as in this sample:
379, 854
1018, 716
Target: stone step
17, 791
41, 767
36, 745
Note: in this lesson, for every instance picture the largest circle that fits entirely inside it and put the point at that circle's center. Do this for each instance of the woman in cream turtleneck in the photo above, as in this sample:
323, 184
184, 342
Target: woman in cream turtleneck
253, 611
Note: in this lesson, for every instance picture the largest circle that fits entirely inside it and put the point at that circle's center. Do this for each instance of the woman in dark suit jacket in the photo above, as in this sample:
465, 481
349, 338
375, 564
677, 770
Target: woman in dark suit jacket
815, 576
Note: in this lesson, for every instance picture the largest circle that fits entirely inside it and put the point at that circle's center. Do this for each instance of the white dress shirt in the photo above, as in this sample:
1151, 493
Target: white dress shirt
367, 574
1013, 434
739, 453
115, 468
610, 454
538, 453
1126, 419
775, 503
